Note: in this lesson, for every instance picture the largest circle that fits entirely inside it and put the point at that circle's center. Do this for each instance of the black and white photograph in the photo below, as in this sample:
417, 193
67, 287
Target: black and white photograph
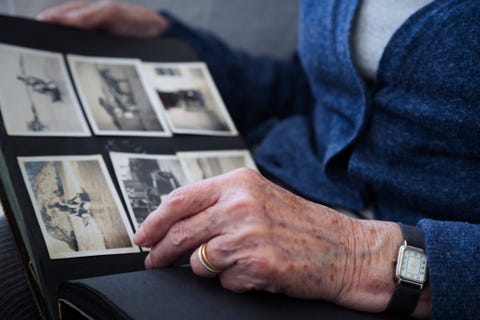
192, 102
77, 207
36, 94
115, 97
145, 180
200, 165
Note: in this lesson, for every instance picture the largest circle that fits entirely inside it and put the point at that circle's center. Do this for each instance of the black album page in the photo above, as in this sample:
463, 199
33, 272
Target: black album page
95, 131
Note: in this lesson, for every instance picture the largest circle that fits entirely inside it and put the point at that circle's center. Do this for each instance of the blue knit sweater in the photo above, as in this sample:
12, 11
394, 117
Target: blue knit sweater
409, 143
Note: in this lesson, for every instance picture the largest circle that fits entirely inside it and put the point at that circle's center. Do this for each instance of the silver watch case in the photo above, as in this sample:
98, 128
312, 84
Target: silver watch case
411, 265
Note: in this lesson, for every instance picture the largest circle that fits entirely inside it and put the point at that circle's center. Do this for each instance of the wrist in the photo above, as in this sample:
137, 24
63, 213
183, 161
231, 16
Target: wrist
412, 294
372, 265
383, 246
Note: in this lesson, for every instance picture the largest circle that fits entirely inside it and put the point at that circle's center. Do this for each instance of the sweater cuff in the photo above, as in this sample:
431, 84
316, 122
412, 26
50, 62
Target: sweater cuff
453, 251
172, 23
176, 28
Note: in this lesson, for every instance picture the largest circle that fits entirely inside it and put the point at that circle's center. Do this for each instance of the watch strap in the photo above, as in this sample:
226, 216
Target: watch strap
406, 295
404, 299
413, 235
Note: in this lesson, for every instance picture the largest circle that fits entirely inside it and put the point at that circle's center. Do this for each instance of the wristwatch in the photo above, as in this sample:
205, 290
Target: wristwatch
410, 273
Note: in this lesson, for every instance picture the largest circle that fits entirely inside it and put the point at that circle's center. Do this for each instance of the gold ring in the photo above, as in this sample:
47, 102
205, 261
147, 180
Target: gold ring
202, 255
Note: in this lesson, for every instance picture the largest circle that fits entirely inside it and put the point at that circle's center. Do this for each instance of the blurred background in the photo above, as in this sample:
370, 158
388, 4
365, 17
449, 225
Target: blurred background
261, 27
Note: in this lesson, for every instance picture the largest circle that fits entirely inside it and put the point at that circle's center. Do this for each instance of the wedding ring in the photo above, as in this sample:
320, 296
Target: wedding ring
202, 255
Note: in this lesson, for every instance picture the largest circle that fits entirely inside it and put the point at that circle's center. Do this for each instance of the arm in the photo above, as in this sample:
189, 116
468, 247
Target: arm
258, 91
255, 89
453, 250
262, 237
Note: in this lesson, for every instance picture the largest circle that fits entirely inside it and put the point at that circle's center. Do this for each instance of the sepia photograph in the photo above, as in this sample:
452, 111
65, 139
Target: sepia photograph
115, 98
36, 94
192, 102
145, 180
200, 165
77, 207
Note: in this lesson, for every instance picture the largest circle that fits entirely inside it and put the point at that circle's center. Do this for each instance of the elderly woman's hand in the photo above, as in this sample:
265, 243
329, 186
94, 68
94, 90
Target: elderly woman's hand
109, 16
263, 237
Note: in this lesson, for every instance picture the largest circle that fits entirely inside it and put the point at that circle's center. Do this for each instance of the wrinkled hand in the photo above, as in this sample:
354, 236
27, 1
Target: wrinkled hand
263, 237
108, 16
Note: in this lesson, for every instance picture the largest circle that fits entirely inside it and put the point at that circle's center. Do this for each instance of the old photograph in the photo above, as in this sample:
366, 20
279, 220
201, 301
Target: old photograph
190, 98
77, 207
145, 180
36, 94
115, 98
200, 165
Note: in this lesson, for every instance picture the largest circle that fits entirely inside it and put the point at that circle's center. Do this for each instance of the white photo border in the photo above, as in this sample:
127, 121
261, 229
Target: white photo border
65, 255
182, 155
137, 64
114, 156
232, 131
70, 89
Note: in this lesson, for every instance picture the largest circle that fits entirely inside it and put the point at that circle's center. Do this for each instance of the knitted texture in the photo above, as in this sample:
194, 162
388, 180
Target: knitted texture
453, 253
409, 144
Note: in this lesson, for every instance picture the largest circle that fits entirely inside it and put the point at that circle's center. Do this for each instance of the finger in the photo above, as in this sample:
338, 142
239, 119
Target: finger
97, 15
254, 266
189, 233
54, 13
247, 261
239, 269
187, 202
182, 203
217, 256
240, 279
86, 15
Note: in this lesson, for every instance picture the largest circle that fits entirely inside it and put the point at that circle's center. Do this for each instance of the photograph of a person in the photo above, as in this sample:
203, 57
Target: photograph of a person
190, 98
36, 94
115, 97
145, 180
76, 206
200, 165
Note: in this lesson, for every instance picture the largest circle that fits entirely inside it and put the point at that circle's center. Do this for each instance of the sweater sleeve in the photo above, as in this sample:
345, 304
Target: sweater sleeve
453, 250
258, 91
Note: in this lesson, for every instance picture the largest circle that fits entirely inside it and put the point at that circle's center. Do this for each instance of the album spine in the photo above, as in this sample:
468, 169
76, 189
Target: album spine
15, 219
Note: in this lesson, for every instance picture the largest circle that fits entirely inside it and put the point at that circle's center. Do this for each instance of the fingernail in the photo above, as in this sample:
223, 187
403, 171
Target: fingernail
148, 263
139, 238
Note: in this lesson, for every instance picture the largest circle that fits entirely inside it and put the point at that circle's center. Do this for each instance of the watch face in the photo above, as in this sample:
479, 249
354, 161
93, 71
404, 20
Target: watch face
413, 266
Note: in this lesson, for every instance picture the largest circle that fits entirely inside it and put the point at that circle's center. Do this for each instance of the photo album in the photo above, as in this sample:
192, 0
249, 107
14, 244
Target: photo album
95, 131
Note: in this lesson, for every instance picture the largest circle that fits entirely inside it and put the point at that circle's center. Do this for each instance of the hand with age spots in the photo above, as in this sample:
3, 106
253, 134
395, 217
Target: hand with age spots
263, 237
112, 17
